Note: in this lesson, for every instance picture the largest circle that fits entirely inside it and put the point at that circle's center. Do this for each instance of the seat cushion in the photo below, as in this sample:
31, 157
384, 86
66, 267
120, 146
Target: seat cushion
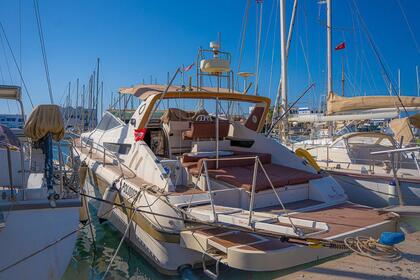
206, 130
242, 177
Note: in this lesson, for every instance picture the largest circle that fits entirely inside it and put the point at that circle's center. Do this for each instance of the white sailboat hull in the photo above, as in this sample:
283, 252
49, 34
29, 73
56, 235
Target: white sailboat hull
376, 191
29, 231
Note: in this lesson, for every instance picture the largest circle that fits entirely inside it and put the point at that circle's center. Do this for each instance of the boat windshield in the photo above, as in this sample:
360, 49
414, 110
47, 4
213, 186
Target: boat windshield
176, 123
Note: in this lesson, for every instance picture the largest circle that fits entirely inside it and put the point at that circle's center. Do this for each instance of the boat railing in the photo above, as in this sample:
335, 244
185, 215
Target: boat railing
91, 146
369, 161
257, 164
67, 169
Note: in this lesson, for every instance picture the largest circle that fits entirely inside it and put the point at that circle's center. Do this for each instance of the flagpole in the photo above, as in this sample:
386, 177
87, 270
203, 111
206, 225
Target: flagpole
342, 75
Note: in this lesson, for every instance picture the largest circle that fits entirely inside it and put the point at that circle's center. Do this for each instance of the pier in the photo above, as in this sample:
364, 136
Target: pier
357, 267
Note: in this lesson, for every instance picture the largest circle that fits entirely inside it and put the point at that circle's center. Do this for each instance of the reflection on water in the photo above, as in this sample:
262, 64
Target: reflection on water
90, 261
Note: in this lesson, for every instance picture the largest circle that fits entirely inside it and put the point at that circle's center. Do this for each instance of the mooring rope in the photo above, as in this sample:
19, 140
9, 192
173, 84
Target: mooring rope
371, 248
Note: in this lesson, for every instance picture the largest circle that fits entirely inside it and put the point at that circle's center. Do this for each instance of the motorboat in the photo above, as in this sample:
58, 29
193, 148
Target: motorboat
187, 182
39, 205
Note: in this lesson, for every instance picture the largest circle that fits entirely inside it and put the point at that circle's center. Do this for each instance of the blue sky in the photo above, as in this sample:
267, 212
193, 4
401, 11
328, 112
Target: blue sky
137, 39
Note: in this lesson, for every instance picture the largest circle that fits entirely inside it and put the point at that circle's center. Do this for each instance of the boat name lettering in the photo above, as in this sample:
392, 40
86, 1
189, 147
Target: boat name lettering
130, 191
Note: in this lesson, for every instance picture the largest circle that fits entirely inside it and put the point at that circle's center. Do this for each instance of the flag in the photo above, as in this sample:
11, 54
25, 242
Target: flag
340, 46
188, 68
139, 134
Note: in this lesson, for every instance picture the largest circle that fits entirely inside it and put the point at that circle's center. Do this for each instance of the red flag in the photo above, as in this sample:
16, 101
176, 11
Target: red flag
139, 134
340, 46
188, 68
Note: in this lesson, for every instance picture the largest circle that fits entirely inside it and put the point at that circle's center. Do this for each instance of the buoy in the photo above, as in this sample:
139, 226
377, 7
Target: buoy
302, 153
105, 208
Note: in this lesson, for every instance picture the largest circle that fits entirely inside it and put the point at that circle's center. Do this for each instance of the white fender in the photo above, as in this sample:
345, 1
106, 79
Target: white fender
105, 209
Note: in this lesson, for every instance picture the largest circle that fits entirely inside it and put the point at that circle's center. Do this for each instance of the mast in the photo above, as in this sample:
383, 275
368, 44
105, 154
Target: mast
329, 48
399, 82
283, 107
289, 39
417, 79
77, 102
97, 89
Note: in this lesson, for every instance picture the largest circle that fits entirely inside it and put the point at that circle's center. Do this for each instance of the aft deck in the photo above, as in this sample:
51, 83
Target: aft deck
253, 250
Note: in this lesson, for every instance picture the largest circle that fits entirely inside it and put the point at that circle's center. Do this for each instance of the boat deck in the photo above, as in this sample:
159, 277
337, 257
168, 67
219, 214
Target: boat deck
256, 251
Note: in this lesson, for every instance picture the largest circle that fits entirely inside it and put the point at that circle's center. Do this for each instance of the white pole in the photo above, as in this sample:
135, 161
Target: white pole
399, 82
329, 48
283, 107
289, 39
417, 79
329, 60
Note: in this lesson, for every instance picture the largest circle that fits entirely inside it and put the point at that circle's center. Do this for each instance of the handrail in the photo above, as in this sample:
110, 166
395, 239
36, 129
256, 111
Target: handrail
395, 151
254, 182
110, 153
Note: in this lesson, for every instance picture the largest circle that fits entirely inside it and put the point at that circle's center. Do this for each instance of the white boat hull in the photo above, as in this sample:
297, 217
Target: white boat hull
166, 257
377, 191
30, 231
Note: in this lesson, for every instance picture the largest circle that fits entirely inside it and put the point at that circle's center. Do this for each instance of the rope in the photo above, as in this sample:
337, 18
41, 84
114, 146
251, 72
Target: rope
257, 63
376, 51
371, 248
16, 64
243, 33
272, 54
413, 36
43, 50
124, 235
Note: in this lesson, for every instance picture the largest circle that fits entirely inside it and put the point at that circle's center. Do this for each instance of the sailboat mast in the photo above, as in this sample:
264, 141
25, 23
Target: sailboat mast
283, 107
329, 48
417, 80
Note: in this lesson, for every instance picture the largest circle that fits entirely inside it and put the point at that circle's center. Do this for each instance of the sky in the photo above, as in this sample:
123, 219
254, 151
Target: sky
139, 39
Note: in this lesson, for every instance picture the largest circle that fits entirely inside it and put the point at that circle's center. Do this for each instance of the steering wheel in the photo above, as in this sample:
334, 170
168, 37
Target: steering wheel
203, 118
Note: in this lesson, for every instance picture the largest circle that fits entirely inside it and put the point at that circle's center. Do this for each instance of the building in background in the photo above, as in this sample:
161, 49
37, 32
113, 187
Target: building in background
12, 120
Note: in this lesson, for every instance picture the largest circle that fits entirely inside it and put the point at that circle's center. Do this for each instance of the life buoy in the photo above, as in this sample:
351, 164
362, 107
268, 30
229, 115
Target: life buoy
302, 153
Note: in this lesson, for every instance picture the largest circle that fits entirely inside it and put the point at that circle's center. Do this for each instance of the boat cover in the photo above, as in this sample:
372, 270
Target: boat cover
45, 119
337, 103
402, 128
7, 137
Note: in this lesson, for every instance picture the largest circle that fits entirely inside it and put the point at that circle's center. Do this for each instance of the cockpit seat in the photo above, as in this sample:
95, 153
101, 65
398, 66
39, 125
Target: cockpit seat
201, 130
237, 170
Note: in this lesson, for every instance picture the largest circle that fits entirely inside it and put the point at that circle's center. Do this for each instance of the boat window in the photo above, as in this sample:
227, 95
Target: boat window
119, 148
108, 121
339, 144
386, 142
370, 140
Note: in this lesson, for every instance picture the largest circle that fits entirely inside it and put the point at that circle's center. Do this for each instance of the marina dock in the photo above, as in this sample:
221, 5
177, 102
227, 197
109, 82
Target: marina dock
357, 267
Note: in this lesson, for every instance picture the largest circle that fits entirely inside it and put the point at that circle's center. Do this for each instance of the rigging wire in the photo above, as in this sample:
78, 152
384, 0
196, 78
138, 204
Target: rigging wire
43, 49
270, 22
257, 56
273, 51
413, 36
16, 64
378, 56
5, 59
243, 35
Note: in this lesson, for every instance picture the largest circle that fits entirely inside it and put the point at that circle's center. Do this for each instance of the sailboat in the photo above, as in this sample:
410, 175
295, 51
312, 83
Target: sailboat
373, 168
39, 205
187, 182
